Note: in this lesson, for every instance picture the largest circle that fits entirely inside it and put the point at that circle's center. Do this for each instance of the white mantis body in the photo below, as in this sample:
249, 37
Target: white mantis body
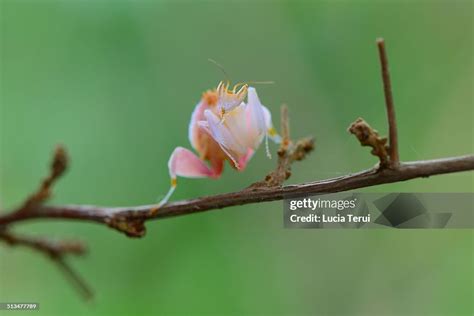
223, 127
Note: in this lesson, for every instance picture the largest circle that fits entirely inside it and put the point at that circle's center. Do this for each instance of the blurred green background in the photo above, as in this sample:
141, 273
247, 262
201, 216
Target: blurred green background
116, 81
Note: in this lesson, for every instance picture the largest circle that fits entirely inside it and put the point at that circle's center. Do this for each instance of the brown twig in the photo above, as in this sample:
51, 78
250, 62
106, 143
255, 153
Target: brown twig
392, 123
57, 168
135, 214
285, 127
288, 153
56, 251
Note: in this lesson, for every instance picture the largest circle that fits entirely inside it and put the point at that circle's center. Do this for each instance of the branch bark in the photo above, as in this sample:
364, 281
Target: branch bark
392, 122
130, 220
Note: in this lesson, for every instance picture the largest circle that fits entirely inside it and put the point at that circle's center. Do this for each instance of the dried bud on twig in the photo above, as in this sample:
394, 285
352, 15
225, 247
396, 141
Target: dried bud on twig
368, 136
58, 166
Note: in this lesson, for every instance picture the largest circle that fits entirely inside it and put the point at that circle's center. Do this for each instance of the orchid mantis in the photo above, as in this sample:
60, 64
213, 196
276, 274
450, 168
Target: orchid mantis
223, 127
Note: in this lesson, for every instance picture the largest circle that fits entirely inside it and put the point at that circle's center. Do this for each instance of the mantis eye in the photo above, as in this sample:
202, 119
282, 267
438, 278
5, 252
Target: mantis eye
210, 98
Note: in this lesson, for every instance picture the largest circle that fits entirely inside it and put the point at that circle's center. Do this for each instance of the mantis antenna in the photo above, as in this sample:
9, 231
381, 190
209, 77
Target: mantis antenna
261, 82
220, 67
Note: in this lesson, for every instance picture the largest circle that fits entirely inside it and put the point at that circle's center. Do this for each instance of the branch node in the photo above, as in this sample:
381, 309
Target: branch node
288, 153
368, 136
131, 227
302, 148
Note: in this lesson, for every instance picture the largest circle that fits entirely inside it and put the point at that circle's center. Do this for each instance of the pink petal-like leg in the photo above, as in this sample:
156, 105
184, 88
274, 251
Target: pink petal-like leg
184, 163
